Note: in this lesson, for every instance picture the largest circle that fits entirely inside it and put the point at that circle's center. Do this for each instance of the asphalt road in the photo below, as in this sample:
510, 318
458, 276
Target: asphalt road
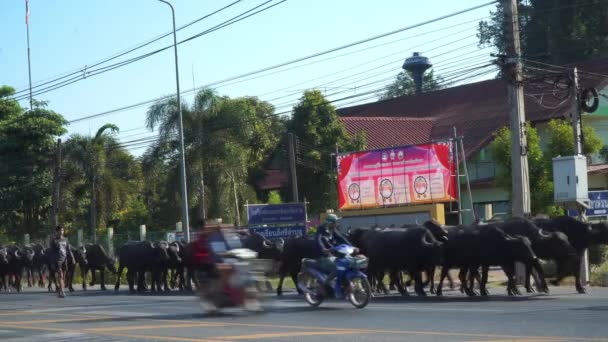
107, 316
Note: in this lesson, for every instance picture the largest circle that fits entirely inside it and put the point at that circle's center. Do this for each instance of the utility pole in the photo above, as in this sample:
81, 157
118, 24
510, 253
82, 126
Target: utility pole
576, 113
29, 66
292, 166
520, 196
578, 150
184, 189
520, 188
56, 184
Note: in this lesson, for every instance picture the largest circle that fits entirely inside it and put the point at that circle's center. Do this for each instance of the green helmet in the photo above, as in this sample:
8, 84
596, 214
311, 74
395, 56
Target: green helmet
331, 218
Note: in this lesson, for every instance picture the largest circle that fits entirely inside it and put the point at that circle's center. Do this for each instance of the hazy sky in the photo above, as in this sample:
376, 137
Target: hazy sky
66, 35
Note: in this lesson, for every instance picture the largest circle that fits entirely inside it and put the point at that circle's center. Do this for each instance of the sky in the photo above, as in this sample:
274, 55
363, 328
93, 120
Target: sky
67, 35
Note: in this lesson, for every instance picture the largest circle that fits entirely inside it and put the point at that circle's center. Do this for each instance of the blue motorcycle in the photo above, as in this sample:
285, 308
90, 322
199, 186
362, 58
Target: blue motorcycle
352, 281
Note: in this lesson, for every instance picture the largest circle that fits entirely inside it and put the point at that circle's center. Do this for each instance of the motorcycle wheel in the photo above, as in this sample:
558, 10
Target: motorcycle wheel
359, 292
313, 296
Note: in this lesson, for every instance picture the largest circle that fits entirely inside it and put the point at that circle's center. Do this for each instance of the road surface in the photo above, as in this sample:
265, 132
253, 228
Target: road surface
108, 316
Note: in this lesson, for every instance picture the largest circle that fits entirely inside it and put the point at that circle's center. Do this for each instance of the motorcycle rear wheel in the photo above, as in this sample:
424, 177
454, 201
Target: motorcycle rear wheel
312, 294
359, 292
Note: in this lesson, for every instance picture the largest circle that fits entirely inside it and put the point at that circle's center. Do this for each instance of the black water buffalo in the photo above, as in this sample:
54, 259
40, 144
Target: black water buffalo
28, 263
499, 248
139, 258
15, 266
159, 268
77, 256
545, 244
176, 265
290, 262
472, 246
97, 260
266, 249
3, 268
414, 249
39, 264
581, 236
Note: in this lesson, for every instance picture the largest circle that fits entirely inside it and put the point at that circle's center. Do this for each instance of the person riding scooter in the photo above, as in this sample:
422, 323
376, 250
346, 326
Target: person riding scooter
327, 237
220, 243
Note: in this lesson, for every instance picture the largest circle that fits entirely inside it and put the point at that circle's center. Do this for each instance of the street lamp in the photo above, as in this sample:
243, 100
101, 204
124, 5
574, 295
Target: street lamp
184, 190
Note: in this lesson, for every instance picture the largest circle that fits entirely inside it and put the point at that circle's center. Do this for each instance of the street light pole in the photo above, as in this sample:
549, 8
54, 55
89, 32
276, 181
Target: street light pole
184, 190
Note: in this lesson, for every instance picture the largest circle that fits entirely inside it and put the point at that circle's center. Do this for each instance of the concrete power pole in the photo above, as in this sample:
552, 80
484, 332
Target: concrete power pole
292, 166
578, 150
56, 185
520, 188
520, 197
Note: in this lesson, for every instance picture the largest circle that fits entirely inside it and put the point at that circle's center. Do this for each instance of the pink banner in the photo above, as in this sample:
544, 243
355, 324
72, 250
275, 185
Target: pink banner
401, 175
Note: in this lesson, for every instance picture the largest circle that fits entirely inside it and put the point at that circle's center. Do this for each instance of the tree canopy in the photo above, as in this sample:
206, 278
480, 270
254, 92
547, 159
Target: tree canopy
315, 123
404, 85
553, 31
560, 142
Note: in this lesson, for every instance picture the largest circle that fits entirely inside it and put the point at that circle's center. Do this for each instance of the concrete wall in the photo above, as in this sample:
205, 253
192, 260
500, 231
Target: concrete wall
598, 182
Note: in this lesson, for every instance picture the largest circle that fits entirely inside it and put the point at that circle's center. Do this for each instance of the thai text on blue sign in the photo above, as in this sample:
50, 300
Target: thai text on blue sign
598, 204
274, 233
276, 213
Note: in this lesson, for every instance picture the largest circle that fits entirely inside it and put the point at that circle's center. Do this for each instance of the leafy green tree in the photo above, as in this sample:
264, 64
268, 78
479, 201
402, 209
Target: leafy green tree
97, 160
316, 125
404, 85
560, 142
556, 32
27, 145
226, 141
274, 197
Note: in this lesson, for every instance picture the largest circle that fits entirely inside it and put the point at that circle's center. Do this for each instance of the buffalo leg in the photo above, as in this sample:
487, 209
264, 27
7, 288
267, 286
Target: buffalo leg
444, 272
29, 274
141, 281
431, 275
164, 278
462, 274
131, 280
467, 276
84, 270
93, 277
450, 281
118, 276
418, 286
41, 279
528, 284
484, 280
102, 279
474, 276
51, 280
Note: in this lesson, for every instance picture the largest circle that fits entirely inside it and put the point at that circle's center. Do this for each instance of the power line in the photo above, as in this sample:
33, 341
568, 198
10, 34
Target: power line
137, 47
290, 62
86, 73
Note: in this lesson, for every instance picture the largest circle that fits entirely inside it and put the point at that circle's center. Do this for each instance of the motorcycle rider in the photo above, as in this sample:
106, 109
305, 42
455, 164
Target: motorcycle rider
327, 237
202, 253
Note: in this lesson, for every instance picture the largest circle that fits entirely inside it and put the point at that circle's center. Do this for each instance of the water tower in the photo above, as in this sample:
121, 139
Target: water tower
417, 65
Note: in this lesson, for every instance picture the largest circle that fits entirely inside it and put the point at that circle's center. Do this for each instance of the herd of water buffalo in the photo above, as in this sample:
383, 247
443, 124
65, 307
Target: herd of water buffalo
411, 249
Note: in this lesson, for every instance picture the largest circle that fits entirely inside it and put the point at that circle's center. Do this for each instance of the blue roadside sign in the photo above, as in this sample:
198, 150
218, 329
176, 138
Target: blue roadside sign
260, 214
598, 204
280, 232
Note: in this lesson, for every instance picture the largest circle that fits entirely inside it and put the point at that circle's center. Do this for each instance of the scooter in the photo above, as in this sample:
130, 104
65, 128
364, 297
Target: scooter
354, 282
240, 290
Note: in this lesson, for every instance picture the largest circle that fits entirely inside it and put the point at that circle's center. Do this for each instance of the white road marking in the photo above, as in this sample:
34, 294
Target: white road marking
122, 313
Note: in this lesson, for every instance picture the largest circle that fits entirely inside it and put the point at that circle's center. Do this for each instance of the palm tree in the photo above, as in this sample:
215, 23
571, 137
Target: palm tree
196, 137
225, 139
89, 155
